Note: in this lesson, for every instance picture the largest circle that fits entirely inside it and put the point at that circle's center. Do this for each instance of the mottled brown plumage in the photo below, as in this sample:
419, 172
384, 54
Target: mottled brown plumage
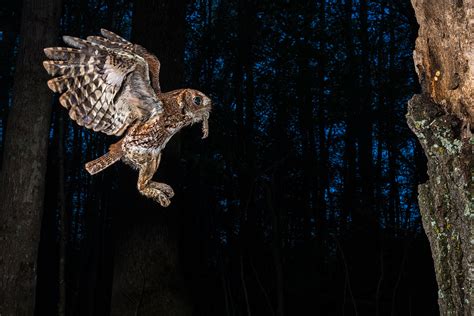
112, 86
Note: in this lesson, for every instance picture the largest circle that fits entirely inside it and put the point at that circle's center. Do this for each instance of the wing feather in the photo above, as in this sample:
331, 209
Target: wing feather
104, 83
114, 37
113, 40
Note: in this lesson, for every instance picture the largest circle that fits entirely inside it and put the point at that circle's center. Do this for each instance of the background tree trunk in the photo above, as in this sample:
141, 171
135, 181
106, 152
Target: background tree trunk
147, 275
441, 117
24, 164
63, 217
259, 224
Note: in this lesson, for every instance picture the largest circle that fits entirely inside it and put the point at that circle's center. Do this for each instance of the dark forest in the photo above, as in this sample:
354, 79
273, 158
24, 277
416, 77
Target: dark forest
303, 199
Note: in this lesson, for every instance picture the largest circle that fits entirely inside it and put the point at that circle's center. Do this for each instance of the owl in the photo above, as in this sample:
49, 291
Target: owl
112, 86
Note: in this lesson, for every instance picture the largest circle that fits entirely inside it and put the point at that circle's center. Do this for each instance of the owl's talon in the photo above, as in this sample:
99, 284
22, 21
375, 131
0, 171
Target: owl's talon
167, 190
163, 187
158, 195
163, 200
165, 193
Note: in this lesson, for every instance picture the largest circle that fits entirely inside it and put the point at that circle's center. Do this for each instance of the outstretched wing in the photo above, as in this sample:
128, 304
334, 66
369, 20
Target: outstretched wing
112, 40
105, 88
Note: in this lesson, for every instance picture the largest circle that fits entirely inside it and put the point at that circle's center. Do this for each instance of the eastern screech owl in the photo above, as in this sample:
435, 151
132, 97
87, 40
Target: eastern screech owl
112, 86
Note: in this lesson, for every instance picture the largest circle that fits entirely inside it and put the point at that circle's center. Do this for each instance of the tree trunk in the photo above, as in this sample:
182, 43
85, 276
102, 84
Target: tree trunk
23, 174
277, 252
147, 274
349, 207
441, 117
63, 217
365, 126
321, 168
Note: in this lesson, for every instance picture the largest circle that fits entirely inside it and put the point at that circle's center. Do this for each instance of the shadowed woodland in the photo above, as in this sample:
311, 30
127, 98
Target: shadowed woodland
302, 201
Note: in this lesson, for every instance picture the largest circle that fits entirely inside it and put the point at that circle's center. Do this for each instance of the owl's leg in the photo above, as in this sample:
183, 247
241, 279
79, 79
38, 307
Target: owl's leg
117, 147
159, 192
115, 154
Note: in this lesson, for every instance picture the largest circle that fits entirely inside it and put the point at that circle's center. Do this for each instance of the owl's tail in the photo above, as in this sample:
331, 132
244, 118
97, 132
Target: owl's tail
103, 162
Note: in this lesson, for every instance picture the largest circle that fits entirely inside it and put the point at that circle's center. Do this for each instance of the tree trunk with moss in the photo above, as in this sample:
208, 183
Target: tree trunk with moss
442, 117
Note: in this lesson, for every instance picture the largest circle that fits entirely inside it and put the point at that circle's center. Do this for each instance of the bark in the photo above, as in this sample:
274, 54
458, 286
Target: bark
23, 174
441, 117
10, 25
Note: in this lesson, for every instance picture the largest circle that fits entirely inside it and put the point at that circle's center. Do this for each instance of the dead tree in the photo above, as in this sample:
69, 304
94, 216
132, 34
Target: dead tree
441, 116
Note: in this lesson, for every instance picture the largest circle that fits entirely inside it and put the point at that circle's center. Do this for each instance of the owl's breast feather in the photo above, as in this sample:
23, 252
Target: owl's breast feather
150, 137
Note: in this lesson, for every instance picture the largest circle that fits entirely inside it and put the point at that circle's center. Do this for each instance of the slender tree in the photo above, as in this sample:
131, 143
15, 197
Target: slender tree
442, 116
22, 180
147, 276
63, 217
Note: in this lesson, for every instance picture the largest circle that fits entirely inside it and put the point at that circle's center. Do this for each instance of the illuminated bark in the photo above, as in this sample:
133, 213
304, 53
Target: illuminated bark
441, 117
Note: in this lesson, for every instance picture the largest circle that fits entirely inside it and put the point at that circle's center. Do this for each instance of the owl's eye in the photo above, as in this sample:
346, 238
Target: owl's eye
197, 101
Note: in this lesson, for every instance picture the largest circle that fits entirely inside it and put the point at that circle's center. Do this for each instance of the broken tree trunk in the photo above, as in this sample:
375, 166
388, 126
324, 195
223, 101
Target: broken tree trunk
441, 117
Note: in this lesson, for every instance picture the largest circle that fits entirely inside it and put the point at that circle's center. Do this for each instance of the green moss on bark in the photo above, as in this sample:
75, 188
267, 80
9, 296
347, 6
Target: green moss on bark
445, 202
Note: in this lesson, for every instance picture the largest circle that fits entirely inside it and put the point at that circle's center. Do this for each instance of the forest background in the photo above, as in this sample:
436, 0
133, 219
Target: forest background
302, 201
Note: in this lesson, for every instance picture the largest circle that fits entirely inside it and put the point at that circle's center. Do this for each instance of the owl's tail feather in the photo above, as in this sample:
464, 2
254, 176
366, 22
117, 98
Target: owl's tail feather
103, 162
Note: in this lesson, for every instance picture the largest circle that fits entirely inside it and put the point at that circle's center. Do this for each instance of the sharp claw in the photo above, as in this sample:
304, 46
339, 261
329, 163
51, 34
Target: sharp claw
169, 193
166, 193
165, 189
164, 200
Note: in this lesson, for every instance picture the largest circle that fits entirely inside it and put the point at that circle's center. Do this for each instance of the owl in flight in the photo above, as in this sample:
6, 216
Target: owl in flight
112, 86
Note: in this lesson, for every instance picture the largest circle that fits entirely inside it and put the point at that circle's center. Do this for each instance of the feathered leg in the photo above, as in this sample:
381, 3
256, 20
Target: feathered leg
157, 191
99, 164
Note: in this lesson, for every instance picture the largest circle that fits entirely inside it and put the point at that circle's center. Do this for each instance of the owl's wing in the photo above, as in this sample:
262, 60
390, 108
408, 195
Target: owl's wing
112, 40
106, 89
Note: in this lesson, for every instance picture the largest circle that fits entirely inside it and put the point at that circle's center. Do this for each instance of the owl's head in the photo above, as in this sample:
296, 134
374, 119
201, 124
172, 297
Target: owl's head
196, 107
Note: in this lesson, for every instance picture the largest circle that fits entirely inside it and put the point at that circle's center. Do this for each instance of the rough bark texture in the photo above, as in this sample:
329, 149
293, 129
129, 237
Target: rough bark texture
24, 165
441, 117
